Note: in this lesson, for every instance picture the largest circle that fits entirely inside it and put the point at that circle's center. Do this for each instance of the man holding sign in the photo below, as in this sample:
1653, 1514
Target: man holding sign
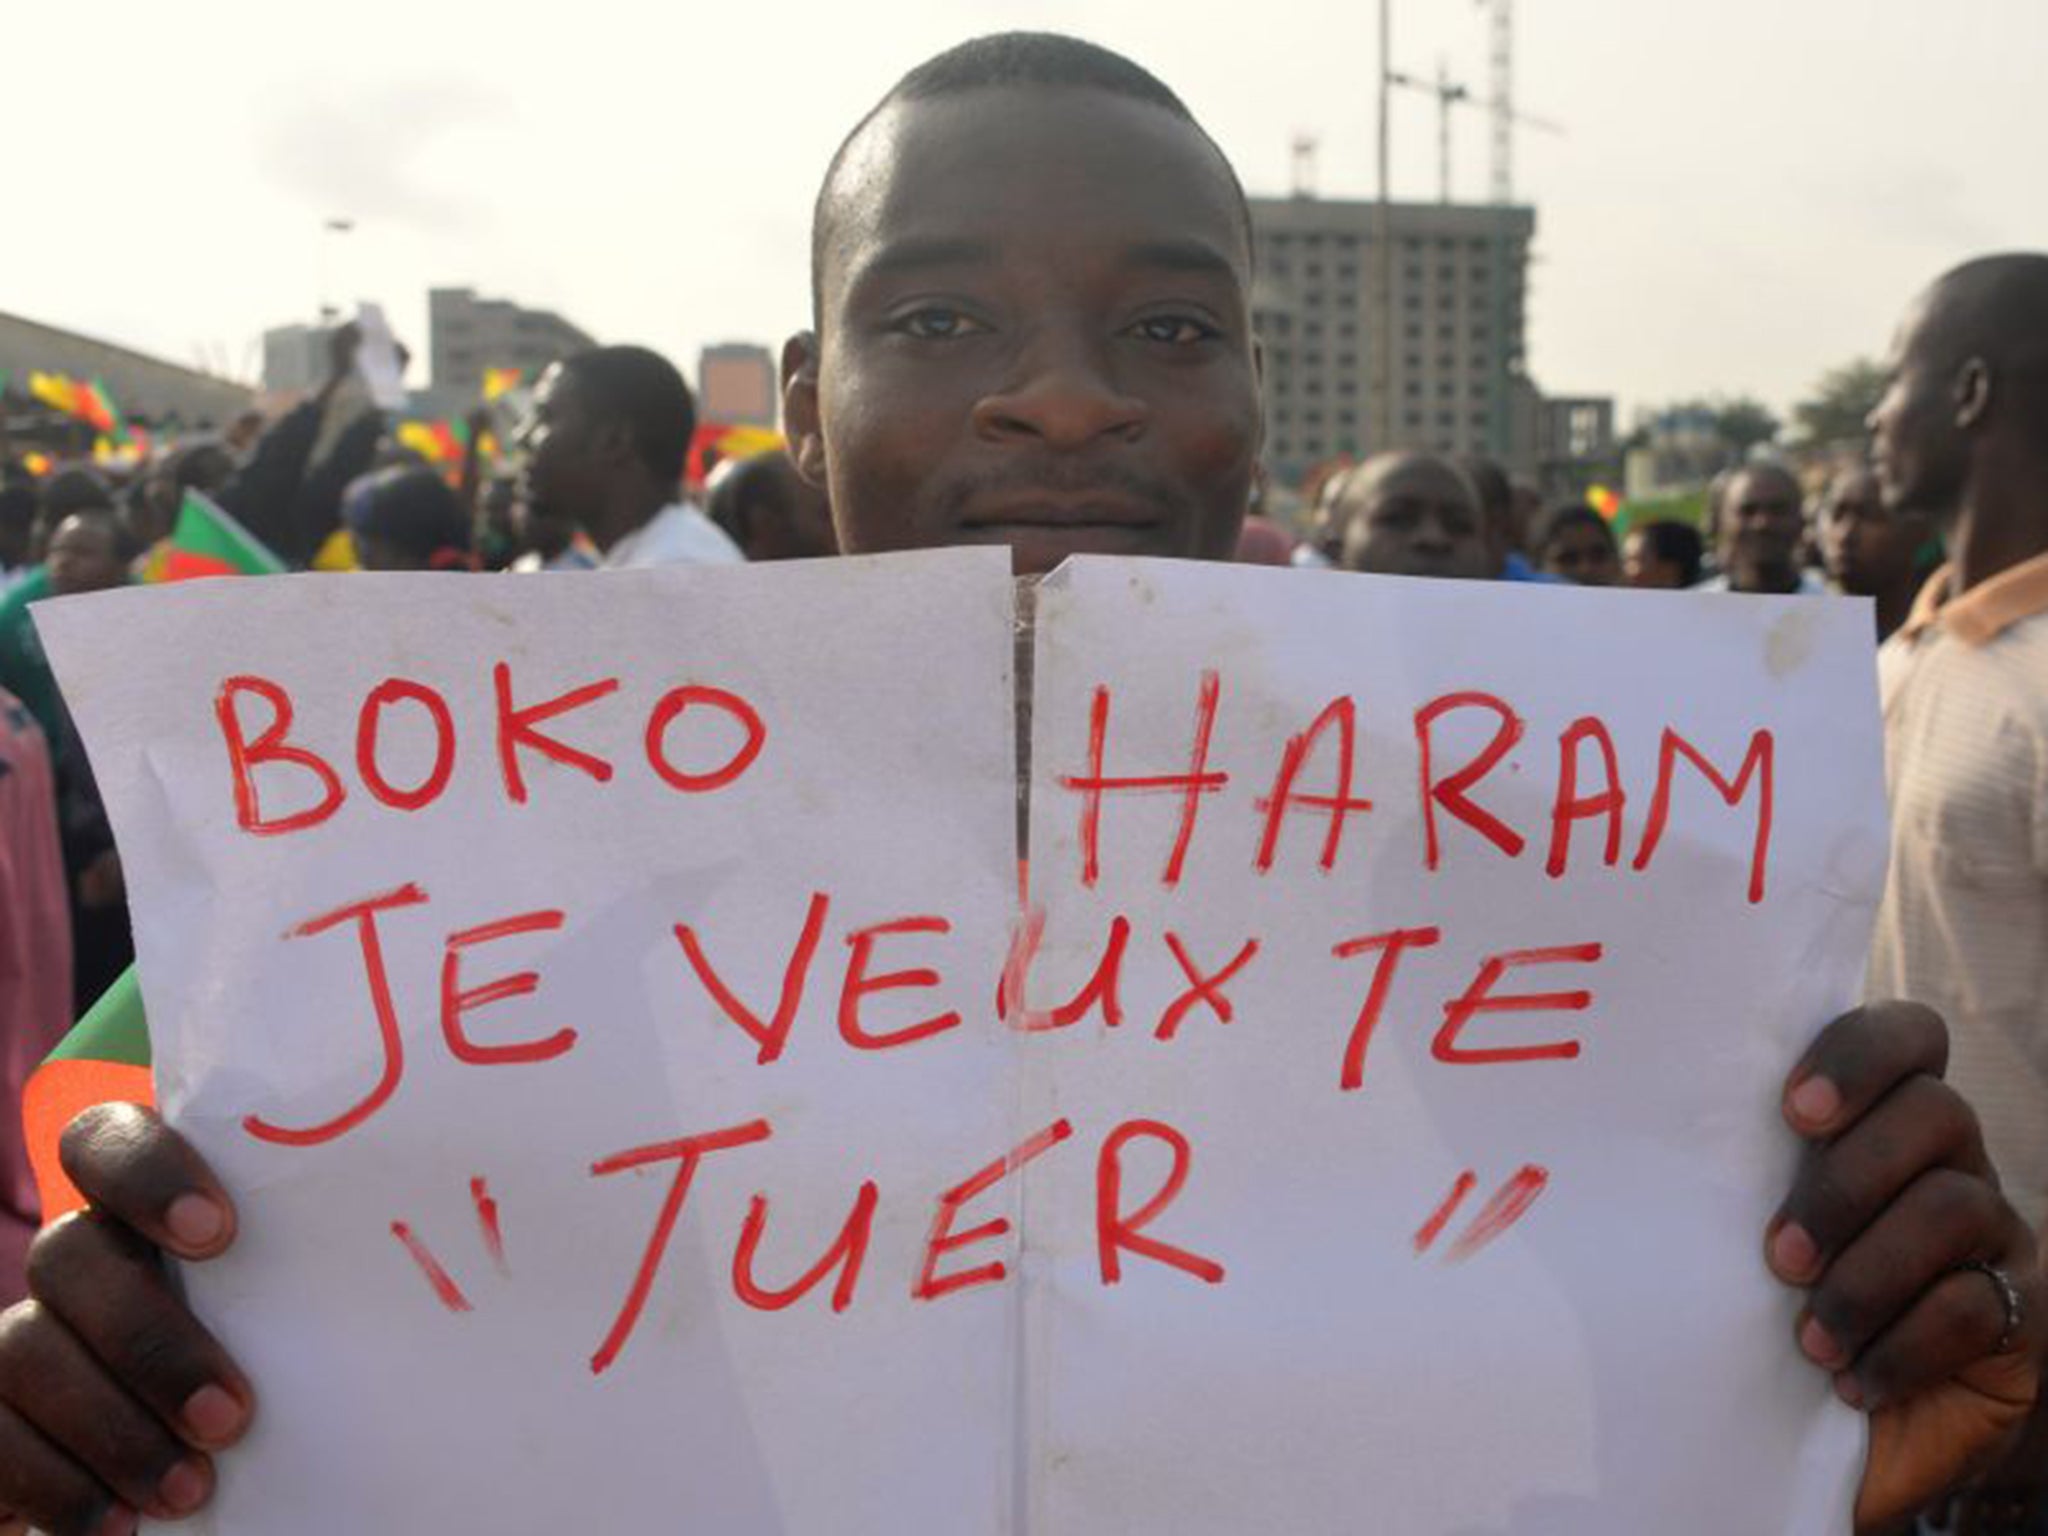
1032, 273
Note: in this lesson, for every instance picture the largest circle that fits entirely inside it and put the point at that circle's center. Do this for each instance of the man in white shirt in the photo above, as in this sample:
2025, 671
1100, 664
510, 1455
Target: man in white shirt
605, 447
1759, 526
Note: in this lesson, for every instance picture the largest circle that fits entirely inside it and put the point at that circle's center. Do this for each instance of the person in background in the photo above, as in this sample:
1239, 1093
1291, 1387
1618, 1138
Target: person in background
1959, 440
769, 510
203, 464
1577, 546
242, 433
1872, 550
1318, 547
18, 507
1664, 555
93, 553
1760, 525
1504, 533
289, 492
605, 447
89, 552
496, 521
548, 542
35, 965
1413, 514
407, 520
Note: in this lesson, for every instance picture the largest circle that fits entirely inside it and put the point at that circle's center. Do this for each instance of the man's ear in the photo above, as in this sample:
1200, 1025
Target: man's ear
800, 423
1972, 392
611, 442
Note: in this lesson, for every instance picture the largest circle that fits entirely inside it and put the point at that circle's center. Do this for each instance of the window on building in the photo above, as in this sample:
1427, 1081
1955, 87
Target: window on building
1312, 386
1346, 299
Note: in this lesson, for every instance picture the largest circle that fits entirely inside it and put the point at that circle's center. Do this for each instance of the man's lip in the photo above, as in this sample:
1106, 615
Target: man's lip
1063, 514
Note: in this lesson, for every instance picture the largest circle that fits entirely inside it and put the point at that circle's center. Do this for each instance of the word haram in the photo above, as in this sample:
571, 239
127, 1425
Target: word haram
1447, 791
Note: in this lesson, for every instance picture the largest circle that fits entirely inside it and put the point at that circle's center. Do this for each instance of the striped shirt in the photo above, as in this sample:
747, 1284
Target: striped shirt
1964, 924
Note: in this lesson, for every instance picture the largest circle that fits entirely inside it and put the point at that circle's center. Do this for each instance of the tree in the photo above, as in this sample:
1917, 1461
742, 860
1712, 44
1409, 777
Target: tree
1744, 423
1835, 411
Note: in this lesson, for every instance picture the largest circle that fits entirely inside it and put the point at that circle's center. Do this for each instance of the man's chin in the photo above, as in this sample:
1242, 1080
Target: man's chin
1036, 549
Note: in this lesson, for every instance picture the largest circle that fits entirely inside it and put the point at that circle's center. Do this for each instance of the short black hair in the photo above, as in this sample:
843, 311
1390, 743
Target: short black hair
412, 509
1572, 514
93, 515
1496, 491
642, 389
18, 504
1676, 544
75, 489
1049, 60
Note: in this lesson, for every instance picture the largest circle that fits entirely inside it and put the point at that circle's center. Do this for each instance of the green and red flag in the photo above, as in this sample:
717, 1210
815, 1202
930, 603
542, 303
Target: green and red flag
208, 542
96, 406
105, 1059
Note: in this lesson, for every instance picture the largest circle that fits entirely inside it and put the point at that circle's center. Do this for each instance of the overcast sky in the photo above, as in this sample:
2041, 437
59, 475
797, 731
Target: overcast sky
1747, 194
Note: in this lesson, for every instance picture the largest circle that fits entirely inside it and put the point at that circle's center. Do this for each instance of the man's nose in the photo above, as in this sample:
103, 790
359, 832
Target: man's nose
1062, 393
1432, 533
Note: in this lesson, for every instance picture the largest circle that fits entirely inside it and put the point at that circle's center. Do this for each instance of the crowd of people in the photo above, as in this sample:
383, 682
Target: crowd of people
1032, 274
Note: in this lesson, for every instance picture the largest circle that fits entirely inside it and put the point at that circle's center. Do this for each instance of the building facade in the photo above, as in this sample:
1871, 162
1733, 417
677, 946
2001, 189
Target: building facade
467, 335
1448, 374
144, 387
1577, 447
295, 359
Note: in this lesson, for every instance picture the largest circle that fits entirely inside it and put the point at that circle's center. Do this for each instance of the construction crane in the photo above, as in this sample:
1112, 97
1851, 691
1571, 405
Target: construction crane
1450, 93
1305, 145
1500, 53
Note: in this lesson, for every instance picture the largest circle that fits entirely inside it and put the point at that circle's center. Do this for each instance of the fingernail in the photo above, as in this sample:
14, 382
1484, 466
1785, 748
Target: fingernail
1815, 1101
196, 1221
184, 1487
212, 1414
1819, 1344
1849, 1390
117, 1521
1793, 1253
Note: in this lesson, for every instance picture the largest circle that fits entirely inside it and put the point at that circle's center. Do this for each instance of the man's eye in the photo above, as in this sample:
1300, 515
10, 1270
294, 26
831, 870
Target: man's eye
936, 324
1175, 330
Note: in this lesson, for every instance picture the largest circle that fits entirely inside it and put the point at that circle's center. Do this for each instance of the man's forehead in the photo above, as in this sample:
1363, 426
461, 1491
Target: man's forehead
1418, 477
984, 173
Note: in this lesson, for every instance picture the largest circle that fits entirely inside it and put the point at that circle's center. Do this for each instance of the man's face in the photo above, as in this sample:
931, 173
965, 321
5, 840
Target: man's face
1641, 567
1413, 516
1583, 555
1920, 452
1034, 331
565, 473
84, 557
1761, 523
1868, 546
